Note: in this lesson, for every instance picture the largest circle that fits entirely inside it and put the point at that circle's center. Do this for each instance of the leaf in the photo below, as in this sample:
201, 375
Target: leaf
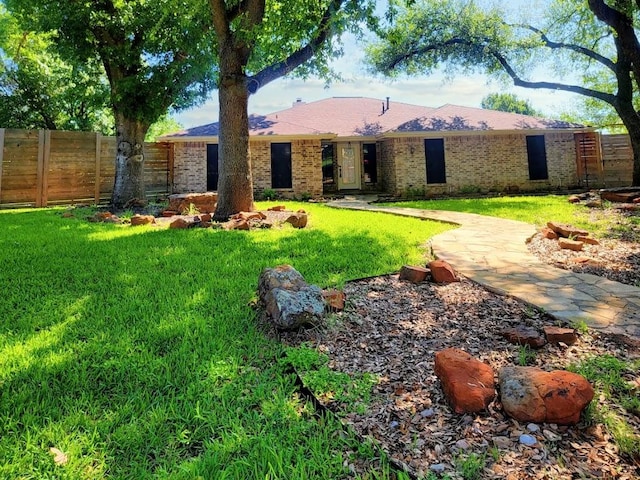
59, 457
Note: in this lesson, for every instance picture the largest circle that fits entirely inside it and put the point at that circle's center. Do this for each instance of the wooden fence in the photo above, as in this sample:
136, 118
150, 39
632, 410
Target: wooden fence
45, 167
617, 159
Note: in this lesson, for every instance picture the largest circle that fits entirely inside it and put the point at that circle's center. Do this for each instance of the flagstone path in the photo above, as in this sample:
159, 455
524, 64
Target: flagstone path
493, 252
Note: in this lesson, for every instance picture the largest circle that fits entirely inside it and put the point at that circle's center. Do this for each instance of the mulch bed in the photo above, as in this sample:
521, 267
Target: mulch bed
393, 328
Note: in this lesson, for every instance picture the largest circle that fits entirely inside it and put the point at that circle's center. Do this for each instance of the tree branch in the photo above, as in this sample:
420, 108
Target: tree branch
519, 82
568, 46
298, 57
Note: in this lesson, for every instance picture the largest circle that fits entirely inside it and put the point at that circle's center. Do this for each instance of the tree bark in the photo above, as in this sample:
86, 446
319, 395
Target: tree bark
235, 183
129, 179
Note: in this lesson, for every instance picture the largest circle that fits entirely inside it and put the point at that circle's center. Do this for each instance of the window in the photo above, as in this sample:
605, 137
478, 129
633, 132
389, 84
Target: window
434, 153
281, 165
212, 167
327, 164
370, 163
537, 157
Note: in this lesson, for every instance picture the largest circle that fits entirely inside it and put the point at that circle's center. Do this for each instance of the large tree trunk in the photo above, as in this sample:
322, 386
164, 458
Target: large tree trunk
129, 179
235, 184
631, 121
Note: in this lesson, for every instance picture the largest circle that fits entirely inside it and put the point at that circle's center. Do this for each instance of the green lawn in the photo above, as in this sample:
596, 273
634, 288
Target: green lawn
535, 209
135, 352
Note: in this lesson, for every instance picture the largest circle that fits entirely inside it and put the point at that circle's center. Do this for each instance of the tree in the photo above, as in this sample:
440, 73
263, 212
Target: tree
594, 38
155, 55
258, 42
508, 102
39, 90
165, 124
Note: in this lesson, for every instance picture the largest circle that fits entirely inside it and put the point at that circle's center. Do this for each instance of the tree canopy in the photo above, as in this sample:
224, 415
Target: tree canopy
38, 89
595, 38
508, 102
155, 55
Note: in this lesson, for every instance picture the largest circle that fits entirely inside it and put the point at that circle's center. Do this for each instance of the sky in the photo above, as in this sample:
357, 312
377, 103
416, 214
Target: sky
430, 91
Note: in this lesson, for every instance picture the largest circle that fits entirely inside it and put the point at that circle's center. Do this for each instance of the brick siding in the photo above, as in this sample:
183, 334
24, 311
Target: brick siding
485, 162
190, 167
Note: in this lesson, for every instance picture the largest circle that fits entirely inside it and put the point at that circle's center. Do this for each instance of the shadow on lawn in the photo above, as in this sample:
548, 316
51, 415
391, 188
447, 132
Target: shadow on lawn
139, 353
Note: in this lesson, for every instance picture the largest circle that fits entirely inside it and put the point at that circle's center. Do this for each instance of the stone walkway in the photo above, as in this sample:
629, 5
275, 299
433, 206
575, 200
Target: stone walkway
493, 252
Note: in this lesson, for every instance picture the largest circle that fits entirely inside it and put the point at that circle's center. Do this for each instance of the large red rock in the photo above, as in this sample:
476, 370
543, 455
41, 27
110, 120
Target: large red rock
566, 231
529, 394
549, 234
558, 334
567, 244
142, 220
619, 197
203, 202
181, 223
297, 220
523, 335
335, 299
413, 274
467, 383
587, 240
442, 272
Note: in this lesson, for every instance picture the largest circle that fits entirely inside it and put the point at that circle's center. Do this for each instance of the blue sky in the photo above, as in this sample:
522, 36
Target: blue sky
432, 90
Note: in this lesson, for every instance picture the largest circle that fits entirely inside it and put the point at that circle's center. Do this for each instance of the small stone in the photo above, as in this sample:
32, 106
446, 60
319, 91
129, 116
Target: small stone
438, 467
533, 428
277, 208
573, 199
169, 213
551, 436
394, 424
427, 413
67, 215
413, 274
502, 442
463, 445
527, 440
567, 244
593, 204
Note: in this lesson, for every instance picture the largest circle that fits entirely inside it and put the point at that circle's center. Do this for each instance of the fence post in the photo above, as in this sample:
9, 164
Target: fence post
45, 168
1, 159
40, 168
97, 177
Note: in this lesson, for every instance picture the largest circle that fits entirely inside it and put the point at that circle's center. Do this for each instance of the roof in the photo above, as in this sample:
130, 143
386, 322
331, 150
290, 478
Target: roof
370, 117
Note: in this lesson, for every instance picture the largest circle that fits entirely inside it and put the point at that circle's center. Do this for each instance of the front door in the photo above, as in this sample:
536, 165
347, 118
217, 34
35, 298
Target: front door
349, 166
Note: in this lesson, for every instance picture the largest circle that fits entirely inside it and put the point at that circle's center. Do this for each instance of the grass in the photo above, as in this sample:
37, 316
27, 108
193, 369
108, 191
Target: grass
611, 378
537, 210
135, 352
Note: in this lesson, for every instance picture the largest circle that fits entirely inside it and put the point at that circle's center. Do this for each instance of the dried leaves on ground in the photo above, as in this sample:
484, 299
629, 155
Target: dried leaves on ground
392, 329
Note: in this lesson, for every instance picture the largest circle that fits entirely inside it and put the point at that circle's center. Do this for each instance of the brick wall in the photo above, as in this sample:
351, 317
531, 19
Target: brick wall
486, 162
190, 167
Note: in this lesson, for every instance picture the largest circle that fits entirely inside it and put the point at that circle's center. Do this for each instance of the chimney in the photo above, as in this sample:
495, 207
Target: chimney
387, 103
383, 110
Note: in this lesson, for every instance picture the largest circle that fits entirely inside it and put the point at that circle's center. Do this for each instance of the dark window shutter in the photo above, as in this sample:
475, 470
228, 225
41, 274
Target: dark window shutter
537, 157
434, 153
212, 167
281, 165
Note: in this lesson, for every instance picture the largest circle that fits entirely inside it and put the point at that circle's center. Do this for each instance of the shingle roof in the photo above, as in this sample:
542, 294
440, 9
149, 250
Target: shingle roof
360, 116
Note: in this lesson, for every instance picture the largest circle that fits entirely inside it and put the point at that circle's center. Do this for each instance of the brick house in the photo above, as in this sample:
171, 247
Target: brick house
365, 144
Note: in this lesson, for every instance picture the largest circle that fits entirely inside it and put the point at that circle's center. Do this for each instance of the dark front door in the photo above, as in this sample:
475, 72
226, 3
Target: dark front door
212, 167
